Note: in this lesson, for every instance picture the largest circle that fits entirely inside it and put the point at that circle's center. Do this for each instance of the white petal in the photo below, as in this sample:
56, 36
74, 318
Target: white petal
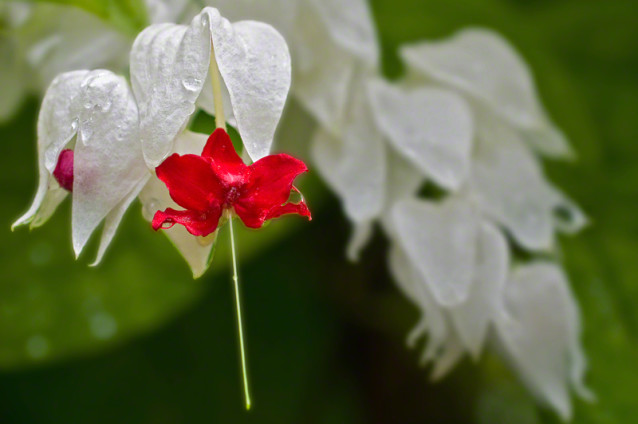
354, 163
108, 162
403, 182
539, 329
440, 239
113, 219
57, 125
472, 318
431, 127
483, 64
167, 75
361, 235
323, 73
257, 72
549, 141
281, 14
350, 25
443, 348
155, 197
508, 183
169, 65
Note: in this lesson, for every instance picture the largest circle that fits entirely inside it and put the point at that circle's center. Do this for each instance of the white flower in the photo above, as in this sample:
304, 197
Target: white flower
94, 114
539, 329
170, 74
451, 257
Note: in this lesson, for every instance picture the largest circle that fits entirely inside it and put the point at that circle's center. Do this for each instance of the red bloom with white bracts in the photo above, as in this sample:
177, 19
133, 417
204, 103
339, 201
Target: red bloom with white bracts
219, 180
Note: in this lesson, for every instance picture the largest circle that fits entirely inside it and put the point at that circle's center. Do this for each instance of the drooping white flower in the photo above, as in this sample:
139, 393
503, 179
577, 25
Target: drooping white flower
94, 114
451, 256
170, 67
170, 75
539, 329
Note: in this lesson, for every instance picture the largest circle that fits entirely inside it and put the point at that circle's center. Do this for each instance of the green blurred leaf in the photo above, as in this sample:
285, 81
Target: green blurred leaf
129, 16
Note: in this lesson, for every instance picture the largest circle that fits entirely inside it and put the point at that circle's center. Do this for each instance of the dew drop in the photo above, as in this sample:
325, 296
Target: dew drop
192, 84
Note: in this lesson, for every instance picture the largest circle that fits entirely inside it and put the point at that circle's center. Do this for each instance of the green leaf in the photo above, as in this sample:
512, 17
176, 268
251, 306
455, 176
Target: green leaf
129, 16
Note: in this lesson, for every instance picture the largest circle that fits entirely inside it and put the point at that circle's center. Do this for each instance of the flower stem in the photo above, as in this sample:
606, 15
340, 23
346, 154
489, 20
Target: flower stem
239, 320
220, 120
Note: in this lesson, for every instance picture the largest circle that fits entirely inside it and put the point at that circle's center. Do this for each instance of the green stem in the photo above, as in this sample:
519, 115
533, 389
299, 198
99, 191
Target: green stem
220, 120
239, 320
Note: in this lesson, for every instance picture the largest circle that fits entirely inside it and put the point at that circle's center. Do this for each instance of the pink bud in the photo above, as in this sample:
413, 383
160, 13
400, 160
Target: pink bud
63, 172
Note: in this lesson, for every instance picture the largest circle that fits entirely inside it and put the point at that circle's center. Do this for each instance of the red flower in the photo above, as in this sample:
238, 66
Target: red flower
219, 180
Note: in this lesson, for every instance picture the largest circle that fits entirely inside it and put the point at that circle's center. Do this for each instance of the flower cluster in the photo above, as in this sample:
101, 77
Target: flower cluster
108, 143
465, 119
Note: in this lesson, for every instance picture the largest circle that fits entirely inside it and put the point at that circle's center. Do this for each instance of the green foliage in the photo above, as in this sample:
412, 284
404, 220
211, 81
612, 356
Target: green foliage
325, 338
129, 16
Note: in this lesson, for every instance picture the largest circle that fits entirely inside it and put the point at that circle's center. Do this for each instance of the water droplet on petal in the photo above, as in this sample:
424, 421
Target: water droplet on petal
192, 84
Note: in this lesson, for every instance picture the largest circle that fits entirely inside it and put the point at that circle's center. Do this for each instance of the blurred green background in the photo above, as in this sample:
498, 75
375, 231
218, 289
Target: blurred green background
138, 341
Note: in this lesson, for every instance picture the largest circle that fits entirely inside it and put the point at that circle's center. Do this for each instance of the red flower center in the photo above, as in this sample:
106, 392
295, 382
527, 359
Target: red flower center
219, 180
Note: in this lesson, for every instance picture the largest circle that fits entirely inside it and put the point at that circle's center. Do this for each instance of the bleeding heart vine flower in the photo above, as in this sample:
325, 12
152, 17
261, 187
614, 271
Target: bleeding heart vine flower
102, 141
218, 181
88, 144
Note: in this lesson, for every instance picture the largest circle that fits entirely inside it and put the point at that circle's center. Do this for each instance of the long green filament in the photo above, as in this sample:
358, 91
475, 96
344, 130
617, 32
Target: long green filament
239, 320
220, 122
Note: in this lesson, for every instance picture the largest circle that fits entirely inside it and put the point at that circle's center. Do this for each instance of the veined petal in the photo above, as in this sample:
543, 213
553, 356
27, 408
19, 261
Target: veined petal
484, 65
473, 317
56, 127
440, 240
191, 181
540, 330
108, 161
353, 162
169, 64
431, 127
155, 196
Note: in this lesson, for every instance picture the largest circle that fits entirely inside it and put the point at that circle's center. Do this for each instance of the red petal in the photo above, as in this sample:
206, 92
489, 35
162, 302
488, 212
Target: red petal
299, 208
226, 162
269, 188
271, 180
191, 182
198, 224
